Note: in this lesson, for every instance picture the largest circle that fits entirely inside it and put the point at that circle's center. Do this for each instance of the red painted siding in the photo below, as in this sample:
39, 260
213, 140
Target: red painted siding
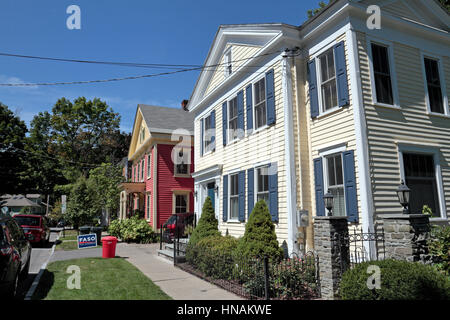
167, 183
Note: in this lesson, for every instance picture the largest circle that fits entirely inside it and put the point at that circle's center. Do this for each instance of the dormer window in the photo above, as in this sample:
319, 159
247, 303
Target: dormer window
142, 135
227, 63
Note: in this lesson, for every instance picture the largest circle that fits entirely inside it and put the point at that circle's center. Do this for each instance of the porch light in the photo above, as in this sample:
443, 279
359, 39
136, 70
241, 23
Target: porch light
195, 194
216, 189
329, 199
403, 193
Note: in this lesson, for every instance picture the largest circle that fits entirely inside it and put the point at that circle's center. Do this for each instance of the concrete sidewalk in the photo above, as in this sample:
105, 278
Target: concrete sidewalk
178, 284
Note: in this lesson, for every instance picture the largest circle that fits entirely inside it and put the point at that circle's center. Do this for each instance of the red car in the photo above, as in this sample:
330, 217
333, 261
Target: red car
35, 228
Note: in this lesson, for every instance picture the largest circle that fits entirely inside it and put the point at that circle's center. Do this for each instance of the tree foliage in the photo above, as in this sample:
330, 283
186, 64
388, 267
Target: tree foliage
103, 182
81, 206
12, 156
207, 224
313, 12
259, 238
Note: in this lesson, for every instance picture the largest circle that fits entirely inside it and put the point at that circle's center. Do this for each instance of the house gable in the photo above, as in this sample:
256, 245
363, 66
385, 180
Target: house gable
139, 135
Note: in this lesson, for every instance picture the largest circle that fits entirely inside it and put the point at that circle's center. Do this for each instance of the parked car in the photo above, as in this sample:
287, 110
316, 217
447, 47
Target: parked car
177, 222
35, 228
15, 256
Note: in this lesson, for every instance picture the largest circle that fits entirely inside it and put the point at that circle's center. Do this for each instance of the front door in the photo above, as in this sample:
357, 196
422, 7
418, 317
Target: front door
211, 193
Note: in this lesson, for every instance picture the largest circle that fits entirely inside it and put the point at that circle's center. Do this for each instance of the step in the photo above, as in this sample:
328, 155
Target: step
168, 254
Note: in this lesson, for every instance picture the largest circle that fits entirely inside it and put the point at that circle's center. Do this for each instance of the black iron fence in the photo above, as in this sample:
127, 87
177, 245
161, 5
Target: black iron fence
356, 247
176, 227
295, 278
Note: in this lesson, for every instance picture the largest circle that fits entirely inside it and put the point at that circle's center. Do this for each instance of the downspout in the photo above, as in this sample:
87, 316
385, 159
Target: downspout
362, 152
291, 187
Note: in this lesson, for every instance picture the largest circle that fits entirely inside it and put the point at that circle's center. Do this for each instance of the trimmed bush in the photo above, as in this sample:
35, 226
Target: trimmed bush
439, 248
400, 280
259, 238
214, 256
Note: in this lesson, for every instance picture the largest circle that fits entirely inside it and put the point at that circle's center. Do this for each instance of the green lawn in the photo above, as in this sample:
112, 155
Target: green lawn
101, 279
69, 245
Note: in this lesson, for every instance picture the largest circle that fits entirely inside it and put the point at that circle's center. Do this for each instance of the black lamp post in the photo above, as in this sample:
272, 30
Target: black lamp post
403, 193
328, 199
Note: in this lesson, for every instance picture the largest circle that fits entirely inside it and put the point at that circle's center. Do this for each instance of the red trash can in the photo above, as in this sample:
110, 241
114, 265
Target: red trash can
109, 247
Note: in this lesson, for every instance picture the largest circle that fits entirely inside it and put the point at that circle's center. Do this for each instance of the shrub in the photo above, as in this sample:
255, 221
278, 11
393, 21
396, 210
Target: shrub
400, 280
133, 229
214, 256
439, 248
259, 238
206, 227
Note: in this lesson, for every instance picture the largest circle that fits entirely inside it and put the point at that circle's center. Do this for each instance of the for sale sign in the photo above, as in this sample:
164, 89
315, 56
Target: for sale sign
87, 241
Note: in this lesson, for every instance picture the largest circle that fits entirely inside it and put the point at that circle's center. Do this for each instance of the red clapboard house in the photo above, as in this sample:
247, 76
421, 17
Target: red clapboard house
159, 165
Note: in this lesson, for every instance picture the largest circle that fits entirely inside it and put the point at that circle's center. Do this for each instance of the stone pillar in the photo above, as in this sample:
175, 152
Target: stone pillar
332, 258
406, 236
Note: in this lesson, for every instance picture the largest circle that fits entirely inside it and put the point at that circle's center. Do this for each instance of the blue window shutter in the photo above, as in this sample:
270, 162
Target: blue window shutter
313, 94
273, 191
249, 107
202, 136
213, 127
241, 185
341, 74
225, 198
224, 123
240, 120
351, 201
270, 97
250, 190
318, 180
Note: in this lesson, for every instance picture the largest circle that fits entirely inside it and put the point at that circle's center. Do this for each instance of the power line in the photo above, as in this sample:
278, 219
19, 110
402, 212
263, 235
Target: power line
129, 77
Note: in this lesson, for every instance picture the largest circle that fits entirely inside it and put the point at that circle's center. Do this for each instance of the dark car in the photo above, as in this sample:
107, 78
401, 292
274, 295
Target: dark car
15, 256
176, 224
35, 228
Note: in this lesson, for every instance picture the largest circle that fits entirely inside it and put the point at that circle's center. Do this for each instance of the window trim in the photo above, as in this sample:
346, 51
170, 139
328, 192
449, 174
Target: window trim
230, 219
257, 79
393, 74
148, 200
322, 110
176, 193
182, 175
232, 97
255, 183
149, 165
205, 151
326, 183
427, 55
434, 151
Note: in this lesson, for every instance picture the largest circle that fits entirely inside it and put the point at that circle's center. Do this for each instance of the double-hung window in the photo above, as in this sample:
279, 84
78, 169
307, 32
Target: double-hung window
259, 89
262, 184
434, 89
181, 165
234, 197
148, 205
149, 165
328, 87
181, 203
142, 168
420, 177
208, 133
382, 74
233, 119
335, 183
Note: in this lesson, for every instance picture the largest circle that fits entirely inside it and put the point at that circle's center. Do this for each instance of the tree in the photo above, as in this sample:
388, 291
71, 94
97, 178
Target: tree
81, 208
12, 156
82, 132
207, 224
259, 238
103, 182
312, 13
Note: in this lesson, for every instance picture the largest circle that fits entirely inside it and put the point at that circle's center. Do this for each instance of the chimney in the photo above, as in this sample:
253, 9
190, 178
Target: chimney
184, 105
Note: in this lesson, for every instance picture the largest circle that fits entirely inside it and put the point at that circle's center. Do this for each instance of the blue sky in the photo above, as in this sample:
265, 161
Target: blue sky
171, 32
